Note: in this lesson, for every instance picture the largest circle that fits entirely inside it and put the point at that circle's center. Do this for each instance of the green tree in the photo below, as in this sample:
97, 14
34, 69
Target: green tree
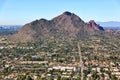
21, 77
58, 77
28, 78
95, 75
78, 78
65, 78
114, 77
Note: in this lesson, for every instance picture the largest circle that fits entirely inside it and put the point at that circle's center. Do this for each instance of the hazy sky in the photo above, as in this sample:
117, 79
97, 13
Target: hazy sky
24, 11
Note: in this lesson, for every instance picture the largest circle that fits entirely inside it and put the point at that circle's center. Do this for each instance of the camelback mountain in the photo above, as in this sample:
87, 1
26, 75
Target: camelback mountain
66, 25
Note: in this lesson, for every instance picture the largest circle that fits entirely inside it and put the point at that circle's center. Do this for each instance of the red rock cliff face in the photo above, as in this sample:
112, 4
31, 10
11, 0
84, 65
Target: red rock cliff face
95, 26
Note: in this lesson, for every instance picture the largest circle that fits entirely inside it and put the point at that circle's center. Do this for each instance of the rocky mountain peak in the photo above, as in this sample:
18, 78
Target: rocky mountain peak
95, 26
67, 18
67, 13
92, 22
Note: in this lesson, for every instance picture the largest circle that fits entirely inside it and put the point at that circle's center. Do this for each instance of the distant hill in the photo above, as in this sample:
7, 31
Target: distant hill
9, 29
114, 25
66, 25
109, 24
113, 28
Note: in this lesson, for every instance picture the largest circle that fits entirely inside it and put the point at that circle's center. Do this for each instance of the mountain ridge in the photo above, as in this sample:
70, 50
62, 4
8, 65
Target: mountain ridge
67, 25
